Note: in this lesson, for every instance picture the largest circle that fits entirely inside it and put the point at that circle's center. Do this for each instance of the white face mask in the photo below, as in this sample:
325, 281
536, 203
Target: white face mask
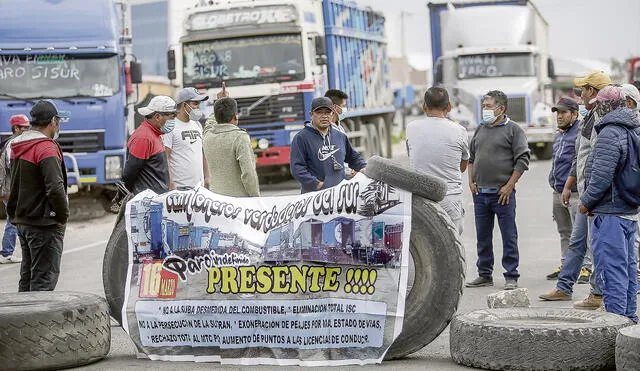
195, 114
343, 114
488, 116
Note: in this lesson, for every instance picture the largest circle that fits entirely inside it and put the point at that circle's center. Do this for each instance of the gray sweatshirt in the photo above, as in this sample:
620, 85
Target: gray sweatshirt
583, 148
496, 152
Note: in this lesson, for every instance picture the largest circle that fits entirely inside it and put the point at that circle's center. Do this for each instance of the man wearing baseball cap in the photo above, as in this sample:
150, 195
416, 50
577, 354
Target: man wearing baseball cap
146, 166
564, 215
19, 124
38, 203
319, 152
183, 144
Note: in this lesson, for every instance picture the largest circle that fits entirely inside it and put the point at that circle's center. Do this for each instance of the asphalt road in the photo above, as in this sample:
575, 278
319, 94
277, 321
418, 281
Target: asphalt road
539, 253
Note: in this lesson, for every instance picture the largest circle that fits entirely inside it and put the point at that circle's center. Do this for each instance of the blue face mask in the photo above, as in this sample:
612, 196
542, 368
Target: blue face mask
168, 126
488, 116
582, 110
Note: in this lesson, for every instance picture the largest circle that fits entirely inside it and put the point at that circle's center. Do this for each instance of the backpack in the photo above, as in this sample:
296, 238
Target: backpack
5, 173
629, 175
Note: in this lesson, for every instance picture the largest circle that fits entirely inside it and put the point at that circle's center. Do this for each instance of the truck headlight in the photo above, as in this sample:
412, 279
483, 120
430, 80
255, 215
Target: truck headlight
263, 143
112, 167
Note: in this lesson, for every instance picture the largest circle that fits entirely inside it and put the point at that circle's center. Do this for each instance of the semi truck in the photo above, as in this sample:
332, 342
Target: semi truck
78, 54
478, 46
275, 56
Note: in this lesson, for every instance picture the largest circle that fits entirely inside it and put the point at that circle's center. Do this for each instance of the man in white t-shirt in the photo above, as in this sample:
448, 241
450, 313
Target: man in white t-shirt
187, 166
440, 147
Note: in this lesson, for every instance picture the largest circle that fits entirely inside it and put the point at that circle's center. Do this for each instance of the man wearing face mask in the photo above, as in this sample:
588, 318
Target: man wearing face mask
183, 145
632, 96
38, 203
339, 99
499, 155
615, 221
146, 166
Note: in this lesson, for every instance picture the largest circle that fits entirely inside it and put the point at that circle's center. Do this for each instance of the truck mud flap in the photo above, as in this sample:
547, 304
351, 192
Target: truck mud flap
536, 339
414, 181
52, 330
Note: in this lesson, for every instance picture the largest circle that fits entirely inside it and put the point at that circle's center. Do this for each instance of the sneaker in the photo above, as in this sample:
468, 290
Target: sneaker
510, 284
9, 259
554, 275
480, 282
555, 295
592, 302
585, 274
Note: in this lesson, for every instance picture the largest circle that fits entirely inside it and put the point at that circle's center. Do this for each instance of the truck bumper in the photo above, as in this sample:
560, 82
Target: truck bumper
539, 137
89, 168
274, 156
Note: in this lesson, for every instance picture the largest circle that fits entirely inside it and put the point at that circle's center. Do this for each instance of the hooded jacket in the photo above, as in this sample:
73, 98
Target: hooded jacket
231, 161
608, 155
38, 181
316, 158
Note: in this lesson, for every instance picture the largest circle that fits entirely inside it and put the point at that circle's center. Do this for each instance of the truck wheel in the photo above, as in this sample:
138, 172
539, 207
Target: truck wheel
85, 208
114, 269
52, 330
544, 153
438, 257
628, 349
535, 339
373, 142
414, 181
383, 138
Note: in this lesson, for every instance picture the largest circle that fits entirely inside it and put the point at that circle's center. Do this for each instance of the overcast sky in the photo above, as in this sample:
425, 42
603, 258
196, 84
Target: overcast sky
572, 27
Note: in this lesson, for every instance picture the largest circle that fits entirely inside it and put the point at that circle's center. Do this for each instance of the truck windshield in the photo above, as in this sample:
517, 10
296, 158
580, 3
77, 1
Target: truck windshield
242, 61
495, 65
59, 75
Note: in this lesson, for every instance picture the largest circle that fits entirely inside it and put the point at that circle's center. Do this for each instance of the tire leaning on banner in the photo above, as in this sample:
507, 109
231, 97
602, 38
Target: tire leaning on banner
438, 257
52, 330
546, 339
114, 269
414, 181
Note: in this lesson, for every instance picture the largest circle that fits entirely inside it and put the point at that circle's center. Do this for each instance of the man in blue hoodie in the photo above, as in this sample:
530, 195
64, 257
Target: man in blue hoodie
615, 223
319, 152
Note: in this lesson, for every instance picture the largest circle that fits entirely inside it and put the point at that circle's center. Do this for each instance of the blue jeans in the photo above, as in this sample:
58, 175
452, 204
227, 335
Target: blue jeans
614, 252
486, 208
575, 260
9, 238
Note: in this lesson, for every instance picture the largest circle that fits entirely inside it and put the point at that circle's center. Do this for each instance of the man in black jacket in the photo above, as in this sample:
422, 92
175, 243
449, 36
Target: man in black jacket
38, 203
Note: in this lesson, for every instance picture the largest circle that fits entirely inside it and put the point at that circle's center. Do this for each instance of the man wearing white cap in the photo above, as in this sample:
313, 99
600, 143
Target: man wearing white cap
184, 143
632, 96
146, 166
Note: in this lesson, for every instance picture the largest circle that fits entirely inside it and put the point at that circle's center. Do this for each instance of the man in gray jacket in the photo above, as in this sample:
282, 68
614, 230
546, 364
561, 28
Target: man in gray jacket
229, 154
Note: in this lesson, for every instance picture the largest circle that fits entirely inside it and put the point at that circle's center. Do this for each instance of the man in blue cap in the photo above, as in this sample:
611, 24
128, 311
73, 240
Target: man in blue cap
38, 203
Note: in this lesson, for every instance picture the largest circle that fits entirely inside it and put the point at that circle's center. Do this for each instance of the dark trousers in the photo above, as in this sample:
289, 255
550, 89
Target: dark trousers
41, 253
486, 208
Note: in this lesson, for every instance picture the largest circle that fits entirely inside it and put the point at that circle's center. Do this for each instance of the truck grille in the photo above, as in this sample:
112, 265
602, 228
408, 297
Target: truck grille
517, 110
276, 108
91, 141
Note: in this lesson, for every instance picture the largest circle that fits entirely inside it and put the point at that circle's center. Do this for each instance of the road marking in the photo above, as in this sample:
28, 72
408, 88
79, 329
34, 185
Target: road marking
85, 247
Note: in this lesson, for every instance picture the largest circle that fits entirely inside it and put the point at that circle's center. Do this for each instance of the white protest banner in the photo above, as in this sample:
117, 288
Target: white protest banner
314, 279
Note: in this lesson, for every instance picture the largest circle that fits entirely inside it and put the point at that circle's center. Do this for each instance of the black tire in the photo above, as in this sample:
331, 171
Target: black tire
438, 256
114, 269
52, 330
628, 349
544, 153
85, 208
536, 339
414, 181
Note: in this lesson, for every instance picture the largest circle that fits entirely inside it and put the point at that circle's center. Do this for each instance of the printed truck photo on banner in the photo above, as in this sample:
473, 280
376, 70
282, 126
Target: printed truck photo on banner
313, 279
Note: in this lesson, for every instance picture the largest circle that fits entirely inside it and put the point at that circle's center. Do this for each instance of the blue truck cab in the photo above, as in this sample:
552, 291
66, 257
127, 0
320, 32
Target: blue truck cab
275, 56
75, 53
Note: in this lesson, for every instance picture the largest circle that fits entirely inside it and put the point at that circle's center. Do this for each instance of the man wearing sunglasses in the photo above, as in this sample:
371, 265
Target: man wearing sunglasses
38, 204
319, 151
146, 166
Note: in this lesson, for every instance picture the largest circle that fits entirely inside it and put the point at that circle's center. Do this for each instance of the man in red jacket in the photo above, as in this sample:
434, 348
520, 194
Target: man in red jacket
38, 203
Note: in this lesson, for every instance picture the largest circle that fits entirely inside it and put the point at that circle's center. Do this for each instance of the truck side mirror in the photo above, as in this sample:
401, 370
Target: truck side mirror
171, 64
551, 70
321, 60
135, 69
320, 47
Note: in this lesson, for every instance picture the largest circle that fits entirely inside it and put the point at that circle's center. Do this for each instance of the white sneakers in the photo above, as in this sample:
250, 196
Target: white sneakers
9, 259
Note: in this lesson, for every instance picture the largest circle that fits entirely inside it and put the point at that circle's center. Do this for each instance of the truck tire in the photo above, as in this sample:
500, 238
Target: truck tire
414, 181
544, 153
384, 138
373, 142
628, 349
52, 330
85, 208
438, 255
535, 339
114, 269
